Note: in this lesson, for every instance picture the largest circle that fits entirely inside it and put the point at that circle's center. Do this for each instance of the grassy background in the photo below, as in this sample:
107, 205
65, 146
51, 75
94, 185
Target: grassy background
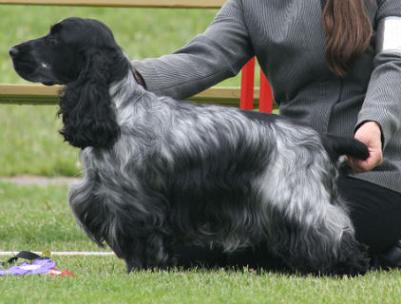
103, 280
29, 142
38, 218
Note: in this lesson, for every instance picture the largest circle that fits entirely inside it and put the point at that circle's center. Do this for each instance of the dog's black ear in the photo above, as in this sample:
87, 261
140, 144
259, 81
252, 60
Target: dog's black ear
86, 108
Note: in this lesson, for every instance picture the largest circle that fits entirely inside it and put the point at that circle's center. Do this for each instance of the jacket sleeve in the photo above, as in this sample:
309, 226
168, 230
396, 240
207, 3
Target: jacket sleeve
217, 54
383, 98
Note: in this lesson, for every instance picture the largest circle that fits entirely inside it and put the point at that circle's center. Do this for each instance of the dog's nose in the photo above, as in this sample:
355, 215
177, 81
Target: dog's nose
13, 52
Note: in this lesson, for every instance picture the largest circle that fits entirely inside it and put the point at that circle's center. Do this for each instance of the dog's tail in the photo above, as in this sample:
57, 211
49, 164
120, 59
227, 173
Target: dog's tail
337, 146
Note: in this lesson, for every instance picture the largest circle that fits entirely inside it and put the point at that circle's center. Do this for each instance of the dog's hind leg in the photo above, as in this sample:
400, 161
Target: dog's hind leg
320, 243
312, 232
306, 221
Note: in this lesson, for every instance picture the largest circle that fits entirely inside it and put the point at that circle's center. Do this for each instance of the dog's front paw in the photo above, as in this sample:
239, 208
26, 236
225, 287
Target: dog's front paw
133, 264
151, 254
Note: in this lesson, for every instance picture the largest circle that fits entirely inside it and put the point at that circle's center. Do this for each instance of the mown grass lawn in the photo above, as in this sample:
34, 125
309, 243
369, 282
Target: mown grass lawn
103, 280
38, 218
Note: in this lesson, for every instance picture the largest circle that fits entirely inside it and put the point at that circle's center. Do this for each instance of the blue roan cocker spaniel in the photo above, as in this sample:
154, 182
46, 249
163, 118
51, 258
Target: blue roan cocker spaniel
161, 173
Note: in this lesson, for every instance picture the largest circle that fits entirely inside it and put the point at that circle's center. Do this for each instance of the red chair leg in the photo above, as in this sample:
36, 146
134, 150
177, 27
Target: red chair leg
247, 85
266, 95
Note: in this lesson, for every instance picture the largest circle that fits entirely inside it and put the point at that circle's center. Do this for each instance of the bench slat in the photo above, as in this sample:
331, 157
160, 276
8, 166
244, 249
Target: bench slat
124, 3
39, 94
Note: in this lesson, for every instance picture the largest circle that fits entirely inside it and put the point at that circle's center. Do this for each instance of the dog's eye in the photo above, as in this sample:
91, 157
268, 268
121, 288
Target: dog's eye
52, 40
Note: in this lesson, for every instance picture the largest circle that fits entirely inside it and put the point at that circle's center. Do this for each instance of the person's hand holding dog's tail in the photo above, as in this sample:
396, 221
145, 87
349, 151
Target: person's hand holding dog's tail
370, 134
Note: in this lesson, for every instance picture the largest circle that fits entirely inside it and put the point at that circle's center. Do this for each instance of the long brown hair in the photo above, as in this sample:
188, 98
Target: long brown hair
348, 32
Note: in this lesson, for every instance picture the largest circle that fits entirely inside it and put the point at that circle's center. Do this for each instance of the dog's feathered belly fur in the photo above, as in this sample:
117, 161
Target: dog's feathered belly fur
212, 176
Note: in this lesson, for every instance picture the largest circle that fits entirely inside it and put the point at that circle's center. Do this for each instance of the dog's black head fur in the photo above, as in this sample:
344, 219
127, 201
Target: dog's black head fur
83, 55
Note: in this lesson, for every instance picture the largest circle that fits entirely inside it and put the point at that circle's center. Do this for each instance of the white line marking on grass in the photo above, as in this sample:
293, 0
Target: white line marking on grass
32, 180
65, 253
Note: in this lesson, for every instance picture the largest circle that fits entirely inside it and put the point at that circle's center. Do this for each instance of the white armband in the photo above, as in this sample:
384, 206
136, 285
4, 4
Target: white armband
388, 35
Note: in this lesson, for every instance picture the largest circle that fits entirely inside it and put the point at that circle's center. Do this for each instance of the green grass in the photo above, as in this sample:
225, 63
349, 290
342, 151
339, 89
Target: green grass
103, 280
29, 142
38, 218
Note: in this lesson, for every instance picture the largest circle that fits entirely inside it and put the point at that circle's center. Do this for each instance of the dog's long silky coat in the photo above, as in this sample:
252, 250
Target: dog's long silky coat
159, 173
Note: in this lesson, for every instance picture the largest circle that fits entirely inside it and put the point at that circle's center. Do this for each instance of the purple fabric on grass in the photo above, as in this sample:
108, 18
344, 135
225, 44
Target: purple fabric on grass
38, 266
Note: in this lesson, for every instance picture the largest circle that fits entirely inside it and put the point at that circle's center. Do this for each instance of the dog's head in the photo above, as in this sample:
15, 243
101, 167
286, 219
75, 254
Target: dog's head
65, 52
83, 55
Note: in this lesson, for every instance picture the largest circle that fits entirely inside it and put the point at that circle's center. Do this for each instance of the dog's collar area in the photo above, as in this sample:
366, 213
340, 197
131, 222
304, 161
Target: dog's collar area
138, 77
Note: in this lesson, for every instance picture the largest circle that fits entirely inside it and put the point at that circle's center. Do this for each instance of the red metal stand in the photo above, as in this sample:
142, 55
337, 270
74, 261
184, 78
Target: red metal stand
247, 85
248, 89
266, 95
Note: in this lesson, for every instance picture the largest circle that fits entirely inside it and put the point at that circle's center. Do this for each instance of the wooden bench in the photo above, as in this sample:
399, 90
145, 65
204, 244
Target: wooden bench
248, 95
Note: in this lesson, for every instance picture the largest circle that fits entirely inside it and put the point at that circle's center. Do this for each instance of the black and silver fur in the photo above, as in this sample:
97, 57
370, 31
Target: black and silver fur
159, 173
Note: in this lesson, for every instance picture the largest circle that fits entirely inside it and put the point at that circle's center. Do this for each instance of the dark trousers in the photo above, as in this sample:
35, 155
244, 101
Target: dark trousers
375, 213
374, 210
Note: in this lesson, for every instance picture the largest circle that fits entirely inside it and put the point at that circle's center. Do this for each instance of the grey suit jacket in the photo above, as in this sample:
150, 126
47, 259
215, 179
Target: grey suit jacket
288, 39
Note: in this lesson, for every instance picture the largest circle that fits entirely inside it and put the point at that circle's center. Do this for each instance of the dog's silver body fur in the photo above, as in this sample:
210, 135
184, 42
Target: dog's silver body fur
290, 185
161, 173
